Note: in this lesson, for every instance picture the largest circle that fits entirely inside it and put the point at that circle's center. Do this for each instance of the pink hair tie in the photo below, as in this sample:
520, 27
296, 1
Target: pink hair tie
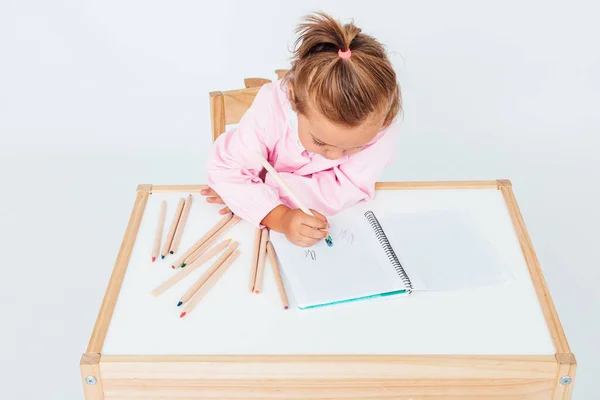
344, 54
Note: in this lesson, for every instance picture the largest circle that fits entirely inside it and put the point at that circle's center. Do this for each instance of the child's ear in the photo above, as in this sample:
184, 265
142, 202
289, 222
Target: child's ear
292, 96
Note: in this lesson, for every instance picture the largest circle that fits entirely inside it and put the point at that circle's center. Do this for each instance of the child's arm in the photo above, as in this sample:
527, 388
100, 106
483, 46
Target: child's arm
233, 169
233, 173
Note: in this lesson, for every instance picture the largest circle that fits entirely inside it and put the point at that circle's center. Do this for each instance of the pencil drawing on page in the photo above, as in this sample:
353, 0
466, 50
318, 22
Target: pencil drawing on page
347, 236
310, 254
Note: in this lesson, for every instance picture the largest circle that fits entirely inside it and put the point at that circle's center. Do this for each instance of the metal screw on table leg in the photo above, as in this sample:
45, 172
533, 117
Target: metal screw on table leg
565, 380
90, 380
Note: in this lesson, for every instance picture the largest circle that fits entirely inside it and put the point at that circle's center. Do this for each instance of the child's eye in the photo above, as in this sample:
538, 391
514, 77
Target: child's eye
315, 141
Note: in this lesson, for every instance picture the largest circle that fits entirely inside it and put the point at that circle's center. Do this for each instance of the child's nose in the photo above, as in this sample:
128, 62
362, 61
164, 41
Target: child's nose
335, 154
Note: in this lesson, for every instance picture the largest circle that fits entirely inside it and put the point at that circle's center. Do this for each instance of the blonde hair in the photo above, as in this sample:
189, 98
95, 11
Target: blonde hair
346, 91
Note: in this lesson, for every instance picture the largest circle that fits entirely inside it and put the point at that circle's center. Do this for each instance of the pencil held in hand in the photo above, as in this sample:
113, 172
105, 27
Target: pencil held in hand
283, 184
287, 189
159, 229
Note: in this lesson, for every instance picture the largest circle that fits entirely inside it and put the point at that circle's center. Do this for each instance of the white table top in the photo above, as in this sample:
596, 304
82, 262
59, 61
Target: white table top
504, 319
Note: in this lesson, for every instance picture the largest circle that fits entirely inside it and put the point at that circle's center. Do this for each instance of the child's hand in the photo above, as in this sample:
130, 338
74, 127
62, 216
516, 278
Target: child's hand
213, 197
302, 229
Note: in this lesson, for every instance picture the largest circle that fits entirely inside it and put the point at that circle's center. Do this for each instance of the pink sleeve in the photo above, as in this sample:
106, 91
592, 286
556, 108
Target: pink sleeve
345, 185
233, 171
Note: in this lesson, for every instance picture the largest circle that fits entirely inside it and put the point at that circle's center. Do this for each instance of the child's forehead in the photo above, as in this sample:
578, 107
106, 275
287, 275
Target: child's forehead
323, 129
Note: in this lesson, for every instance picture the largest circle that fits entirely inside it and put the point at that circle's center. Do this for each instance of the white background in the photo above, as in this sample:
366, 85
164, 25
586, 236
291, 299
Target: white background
96, 97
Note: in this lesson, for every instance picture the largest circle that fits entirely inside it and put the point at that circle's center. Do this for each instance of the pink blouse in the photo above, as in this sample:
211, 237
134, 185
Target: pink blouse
270, 127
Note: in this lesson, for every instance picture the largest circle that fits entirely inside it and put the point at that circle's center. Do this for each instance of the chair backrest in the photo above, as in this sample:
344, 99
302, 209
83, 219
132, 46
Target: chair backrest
229, 106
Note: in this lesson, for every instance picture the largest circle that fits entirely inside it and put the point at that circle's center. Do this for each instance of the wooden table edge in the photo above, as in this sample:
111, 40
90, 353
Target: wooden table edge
214, 370
564, 358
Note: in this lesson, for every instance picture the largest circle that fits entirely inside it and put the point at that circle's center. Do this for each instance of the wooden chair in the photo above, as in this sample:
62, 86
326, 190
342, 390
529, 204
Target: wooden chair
228, 107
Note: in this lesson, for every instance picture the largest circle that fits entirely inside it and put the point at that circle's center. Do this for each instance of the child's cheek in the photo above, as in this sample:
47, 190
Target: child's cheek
354, 151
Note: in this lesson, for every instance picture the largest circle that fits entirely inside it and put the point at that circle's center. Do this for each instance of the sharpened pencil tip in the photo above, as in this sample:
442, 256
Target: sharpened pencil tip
153, 259
172, 267
182, 314
286, 307
153, 293
171, 252
183, 265
180, 303
257, 291
162, 257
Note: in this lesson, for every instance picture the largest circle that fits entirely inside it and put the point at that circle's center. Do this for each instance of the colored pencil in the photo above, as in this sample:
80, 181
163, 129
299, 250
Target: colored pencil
214, 278
254, 260
194, 288
171, 233
198, 252
262, 256
283, 184
203, 239
190, 268
159, 229
288, 190
275, 266
181, 225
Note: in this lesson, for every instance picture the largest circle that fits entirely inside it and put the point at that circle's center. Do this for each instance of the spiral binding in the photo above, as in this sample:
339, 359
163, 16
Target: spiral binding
389, 251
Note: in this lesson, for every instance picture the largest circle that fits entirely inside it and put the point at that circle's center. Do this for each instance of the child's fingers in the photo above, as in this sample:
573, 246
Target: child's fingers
215, 200
311, 233
208, 192
305, 242
320, 216
225, 210
313, 222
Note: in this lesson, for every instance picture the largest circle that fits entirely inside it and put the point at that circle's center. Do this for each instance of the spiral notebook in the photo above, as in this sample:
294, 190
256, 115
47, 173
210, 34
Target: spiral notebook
393, 255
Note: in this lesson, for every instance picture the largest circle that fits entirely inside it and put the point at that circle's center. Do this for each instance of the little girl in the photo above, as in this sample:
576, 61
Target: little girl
328, 128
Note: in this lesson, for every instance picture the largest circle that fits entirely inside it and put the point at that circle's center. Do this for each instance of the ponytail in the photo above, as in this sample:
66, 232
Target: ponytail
341, 72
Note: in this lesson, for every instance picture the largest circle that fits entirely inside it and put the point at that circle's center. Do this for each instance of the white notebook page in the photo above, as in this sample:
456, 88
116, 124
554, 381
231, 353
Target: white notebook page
443, 250
355, 266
